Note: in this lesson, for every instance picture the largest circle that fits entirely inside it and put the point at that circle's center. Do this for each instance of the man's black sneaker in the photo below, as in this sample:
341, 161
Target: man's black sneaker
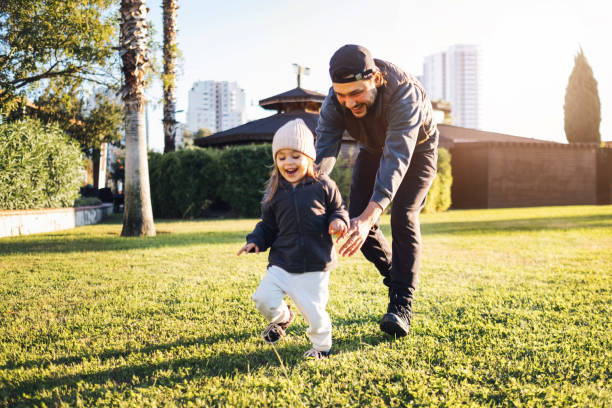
396, 322
316, 354
275, 331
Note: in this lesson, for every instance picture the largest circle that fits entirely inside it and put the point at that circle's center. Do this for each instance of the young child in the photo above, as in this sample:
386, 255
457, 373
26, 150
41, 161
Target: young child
301, 209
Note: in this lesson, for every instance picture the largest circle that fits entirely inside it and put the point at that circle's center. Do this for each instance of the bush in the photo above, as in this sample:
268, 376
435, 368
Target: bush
245, 170
88, 191
117, 170
342, 174
40, 167
187, 182
183, 183
86, 201
105, 195
439, 196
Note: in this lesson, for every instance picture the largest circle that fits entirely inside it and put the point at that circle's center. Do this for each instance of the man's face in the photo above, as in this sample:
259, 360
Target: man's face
357, 96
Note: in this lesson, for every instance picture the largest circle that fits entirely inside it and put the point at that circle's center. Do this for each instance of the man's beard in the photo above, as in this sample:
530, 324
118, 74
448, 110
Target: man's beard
369, 102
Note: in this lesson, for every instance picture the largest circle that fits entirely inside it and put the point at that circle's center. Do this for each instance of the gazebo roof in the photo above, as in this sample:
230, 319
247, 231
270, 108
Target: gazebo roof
296, 95
257, 131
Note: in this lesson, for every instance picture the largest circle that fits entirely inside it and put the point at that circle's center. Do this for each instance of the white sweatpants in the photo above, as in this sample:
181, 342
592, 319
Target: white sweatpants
310, 293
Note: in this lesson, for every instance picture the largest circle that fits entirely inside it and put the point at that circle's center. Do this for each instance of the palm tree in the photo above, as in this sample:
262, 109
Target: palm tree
169, 77
137, 214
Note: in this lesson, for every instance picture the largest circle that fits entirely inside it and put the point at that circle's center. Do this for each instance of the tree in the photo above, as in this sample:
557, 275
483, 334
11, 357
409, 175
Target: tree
189, 137
52, 39
92, 123
169, 76
202, 132
138, 213
582, 107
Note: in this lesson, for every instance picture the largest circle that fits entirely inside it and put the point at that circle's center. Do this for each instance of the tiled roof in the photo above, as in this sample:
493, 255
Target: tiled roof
534, 145
257, 131
454, 135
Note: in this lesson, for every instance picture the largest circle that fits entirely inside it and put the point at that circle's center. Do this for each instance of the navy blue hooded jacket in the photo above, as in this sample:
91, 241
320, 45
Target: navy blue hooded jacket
295, 223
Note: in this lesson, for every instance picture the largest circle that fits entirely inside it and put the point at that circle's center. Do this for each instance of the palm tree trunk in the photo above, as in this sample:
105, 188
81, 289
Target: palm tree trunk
137, 213
169, 77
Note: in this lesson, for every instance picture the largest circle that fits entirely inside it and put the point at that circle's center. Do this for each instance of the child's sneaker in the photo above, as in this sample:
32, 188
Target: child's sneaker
316, 354
275, 331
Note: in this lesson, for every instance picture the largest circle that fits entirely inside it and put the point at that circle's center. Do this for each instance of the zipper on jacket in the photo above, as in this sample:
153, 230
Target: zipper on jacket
299, 224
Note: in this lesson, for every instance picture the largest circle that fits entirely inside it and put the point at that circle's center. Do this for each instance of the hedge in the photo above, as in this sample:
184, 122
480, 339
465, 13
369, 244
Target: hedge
183, 183
439, 196
40, 167
245, 171
342, 174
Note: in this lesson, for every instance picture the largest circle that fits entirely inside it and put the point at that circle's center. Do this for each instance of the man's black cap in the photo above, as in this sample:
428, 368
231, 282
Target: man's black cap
351, 63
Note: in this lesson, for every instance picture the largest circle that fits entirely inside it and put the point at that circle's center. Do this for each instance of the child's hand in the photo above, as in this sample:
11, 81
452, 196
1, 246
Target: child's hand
248, 248
337, 227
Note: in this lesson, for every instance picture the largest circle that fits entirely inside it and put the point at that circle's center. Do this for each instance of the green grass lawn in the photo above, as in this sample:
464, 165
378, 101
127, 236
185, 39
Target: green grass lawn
513, 309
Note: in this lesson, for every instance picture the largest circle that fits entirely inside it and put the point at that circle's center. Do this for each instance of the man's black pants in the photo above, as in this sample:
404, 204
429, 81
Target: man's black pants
398, 265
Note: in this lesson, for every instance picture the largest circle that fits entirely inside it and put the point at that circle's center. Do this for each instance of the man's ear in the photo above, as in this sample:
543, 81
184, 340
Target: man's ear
378, 79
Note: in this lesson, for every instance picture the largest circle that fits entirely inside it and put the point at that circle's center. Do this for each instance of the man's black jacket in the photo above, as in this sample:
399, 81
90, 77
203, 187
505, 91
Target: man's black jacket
295, 222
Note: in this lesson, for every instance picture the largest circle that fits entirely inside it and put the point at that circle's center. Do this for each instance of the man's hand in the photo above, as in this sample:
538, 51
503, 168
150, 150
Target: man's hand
357, 234
360, 227
248, 248
337, 227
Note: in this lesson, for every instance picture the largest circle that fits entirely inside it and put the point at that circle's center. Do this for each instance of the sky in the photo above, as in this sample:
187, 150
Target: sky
527, 50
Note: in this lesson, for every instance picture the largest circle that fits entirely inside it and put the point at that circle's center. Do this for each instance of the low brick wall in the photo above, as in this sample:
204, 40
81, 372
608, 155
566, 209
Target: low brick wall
25, 222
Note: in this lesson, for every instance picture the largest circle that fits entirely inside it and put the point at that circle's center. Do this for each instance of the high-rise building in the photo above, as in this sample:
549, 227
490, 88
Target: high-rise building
216, 106
434, 78
179, 135
454, 76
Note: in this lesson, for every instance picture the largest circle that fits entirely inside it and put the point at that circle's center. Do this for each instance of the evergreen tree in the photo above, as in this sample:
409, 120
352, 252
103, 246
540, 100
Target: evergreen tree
582, 107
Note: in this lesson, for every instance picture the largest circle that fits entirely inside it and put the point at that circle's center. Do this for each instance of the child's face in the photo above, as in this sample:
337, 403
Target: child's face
292, 165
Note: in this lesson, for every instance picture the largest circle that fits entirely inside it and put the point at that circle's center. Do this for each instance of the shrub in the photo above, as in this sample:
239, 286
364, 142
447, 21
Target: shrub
117, 170
187, 182
40, 167
439, 196
183, 183
245, 170
86, 201
342, 174
155, 181
105, 195
88, 191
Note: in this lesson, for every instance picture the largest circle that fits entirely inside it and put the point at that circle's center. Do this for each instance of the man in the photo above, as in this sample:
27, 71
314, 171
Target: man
389, 114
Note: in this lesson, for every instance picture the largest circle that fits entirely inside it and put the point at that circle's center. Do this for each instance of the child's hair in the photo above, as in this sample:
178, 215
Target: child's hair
275, 176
